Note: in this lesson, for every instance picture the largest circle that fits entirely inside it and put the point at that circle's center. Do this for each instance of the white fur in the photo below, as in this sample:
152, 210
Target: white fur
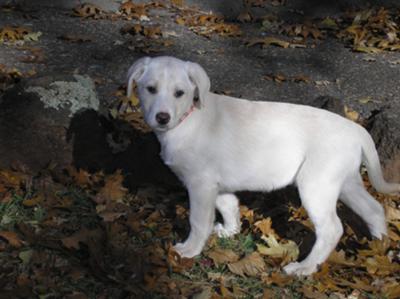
228, 144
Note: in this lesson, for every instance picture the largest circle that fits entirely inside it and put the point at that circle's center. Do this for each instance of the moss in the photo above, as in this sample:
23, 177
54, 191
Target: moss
72, 95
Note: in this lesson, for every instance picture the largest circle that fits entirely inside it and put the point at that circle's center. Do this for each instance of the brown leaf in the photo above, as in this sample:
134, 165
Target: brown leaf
251, 265
178, 263
277, 279
75, 38
222, 256
88, 11
82, 236
12, 34
12, 238
339, 257
113, 189
265, 226
267, 41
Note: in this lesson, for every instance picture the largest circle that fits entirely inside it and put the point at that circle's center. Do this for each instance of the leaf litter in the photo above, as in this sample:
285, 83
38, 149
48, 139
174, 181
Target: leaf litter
121, 240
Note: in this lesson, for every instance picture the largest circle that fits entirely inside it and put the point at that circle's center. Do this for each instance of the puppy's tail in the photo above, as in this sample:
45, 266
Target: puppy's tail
371, 160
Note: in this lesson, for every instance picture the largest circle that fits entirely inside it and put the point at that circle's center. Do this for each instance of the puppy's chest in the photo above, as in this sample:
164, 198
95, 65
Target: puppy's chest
177, 159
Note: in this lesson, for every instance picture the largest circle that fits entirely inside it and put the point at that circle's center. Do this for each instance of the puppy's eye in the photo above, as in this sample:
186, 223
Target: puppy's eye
151, 89
179, 93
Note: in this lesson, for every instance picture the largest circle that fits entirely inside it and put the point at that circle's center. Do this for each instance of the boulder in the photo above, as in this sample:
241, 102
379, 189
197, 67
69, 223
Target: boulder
35, 115
385, 130
56, 119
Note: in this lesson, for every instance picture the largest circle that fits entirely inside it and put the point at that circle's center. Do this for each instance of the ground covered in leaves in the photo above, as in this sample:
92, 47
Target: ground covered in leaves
80, 235
75, 234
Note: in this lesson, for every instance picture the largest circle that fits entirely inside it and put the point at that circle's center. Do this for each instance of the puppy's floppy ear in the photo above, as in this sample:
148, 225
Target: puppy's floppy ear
135, 72
200, 79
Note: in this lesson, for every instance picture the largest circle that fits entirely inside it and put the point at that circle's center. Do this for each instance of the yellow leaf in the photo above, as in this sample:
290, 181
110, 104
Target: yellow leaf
251, 265
265, 226
289, 251
32, 201
351, 114
391, 290
329, 23
369, 50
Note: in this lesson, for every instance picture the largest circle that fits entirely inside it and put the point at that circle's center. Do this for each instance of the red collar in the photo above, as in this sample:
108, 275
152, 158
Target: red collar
186, 114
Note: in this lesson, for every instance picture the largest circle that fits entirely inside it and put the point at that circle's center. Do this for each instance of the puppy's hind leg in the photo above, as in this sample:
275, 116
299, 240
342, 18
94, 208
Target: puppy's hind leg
319, 198
228, 206
354, 195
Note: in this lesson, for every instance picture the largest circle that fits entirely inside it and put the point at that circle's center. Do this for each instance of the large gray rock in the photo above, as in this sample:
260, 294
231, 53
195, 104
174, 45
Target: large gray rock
35, 115
385, 129
56, 119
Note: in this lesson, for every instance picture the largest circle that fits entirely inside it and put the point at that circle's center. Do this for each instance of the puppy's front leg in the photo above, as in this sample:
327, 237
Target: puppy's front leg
202, 214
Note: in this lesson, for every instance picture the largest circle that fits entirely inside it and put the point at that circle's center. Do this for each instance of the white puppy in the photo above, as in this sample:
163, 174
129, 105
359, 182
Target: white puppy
218, 145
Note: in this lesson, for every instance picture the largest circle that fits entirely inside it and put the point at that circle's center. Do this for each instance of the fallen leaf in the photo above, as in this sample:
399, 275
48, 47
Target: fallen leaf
222, 256
267, 41
288, 250
113, 189
25, 256
12, 238
75, 38
82, 236
369, 50
178, 263
88, 11
277, 278
265, 226
251, 265
339, 258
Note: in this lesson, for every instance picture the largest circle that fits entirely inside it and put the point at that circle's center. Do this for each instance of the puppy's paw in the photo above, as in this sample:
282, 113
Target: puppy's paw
224, 232
300, 269
187, 250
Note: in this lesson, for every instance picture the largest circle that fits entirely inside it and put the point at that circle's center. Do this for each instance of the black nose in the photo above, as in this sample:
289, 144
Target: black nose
162, 118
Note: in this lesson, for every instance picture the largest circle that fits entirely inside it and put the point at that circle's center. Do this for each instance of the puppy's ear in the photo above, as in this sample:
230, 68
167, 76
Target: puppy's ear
135, 72
201, 80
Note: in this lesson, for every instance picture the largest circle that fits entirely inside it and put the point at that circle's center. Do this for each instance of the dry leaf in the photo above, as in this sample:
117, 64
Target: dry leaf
351, 114
289, 251
278, 279
222, 256
268, 41
251, 265
178, 263
12, 238
88, 11
265, 226
113, 189
82, 236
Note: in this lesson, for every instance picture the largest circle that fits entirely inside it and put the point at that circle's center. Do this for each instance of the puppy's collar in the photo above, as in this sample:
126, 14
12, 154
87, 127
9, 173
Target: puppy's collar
186, 114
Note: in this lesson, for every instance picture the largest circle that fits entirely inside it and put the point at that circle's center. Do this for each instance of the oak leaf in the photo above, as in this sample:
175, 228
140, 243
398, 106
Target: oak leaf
251, 265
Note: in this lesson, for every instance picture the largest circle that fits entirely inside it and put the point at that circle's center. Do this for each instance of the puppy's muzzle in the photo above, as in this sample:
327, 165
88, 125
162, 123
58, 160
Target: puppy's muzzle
163, 118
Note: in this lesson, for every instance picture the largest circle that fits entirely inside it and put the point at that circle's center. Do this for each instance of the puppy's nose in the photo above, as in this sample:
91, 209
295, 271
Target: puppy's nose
163, 118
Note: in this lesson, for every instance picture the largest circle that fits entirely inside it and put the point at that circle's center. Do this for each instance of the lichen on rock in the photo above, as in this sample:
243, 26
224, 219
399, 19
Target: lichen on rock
71, 95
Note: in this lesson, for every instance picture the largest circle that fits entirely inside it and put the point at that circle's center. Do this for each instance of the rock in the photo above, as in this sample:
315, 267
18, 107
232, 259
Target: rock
385, 130
329, 103
56, 119
34, 117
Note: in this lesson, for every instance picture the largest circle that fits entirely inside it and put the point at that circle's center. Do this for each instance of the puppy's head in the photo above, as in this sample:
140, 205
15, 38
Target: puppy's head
167, 89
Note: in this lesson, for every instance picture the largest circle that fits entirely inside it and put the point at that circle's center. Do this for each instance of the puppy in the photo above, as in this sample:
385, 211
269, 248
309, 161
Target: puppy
217, 145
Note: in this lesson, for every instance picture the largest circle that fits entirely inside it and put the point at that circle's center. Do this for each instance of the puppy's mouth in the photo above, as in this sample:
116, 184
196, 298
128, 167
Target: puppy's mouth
161, 128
